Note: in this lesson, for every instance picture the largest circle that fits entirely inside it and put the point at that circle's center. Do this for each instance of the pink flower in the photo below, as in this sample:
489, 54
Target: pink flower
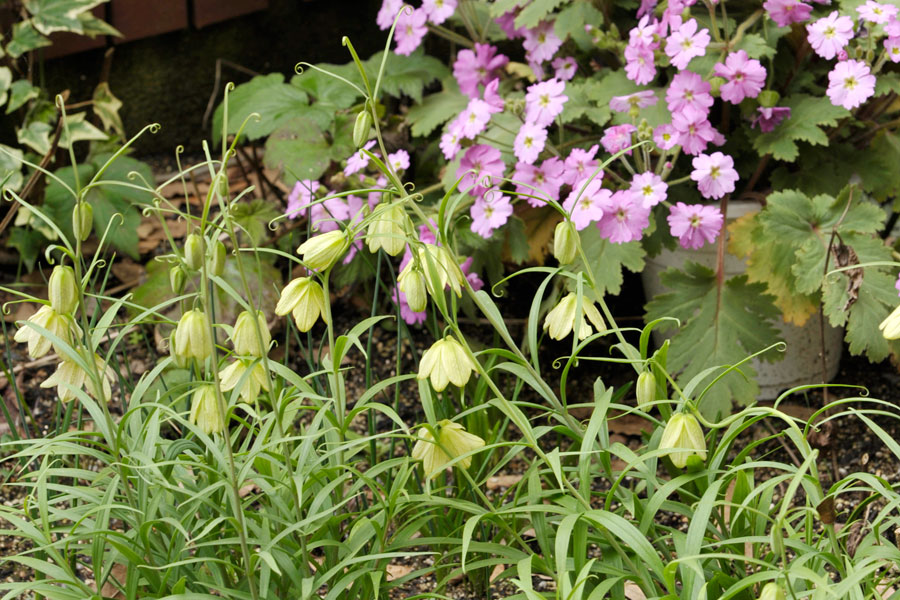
408, 315
639, 66
850, 84
540, 181
301, 195
375, 197
450, 145
785, 12
624, 218
634, 101
541, 43
471, 276
354, 208
529, 142
875, 12
478, 165
474, 119
586, 201
892, 28
477, 67
688, 92
410, 31
580, 164
399, 160
489, 212
665, 137
358, 160
617, 137
506, 22
746, 77
438, 11
897, 286
830, 34
694, 224
892, 47
387, 14
326, 214
649, 188
492, 98
544, 101
714, 174
645, 32
646, 7
686, 43
564, 68
694, 131
769, 118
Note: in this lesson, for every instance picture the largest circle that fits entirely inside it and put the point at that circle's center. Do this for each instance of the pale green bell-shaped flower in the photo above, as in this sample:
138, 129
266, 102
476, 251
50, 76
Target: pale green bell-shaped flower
192, 337
387, 230
304, 298
205, 411
245, 338
452, 441
216, 263
890, 327
683, 438
231, 375
564, 244
69, 373
63, 290
645, 390
561, 319
772, 591
446, 362
438, 264
61, 325
321, 251
194, 251
411, 282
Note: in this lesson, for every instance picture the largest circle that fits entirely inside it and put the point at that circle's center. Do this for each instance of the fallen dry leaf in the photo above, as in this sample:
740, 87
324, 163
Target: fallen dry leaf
503, 481
633, 592
397, 571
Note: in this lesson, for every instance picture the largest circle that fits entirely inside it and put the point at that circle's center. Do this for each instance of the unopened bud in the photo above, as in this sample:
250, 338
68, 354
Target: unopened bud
177, 279
217, 259
411, 282
768, 98
63, 290
716, 84
321, 251
683, 438
564, 245
646, 390
82, 220
362, 127
194, 251
772, 591
388, 230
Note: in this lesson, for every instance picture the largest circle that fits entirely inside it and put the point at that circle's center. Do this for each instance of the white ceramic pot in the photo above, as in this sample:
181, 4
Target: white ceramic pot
802, 363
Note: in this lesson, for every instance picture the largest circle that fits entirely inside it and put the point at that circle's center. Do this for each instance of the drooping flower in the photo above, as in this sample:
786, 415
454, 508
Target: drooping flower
529, 142
769, 118
586, 201
876, 12
645, 390
440, 266
439, 11
541, 43
452, 442
649, 188
580, 164
617, 138
205, 412
772, 591
69, 376
409, 316
478, 66
254, 382
745, 77
411, 28
387, 230
624, 218
683, 438
247, 339
694, 224
478, 165
715, 174
490, 211
785, 12
686, 43
564, 68
305, 299
830, 34
61, 326
560, 320
633, 101
544, 101
890, 327
192, 337
321, 251
850, 84
565, 246
688, 92
444, 363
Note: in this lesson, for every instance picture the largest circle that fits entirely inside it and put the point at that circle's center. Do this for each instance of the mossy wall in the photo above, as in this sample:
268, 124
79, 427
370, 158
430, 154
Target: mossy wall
169, 79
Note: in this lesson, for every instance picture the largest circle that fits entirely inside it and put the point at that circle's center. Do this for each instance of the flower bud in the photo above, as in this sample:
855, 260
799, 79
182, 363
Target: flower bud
446, 362
63, 290
890, 327
82, 220
715, 84
646, 389
254, 382
246, 340
411, 282
768, 98
564, 245
305, 299
177, 279
192, 337
216, 264
205, 411
560, 321
683, 438
388, 230
439, 265
194, 251
321, 251
362, 127
452, 441
772, 591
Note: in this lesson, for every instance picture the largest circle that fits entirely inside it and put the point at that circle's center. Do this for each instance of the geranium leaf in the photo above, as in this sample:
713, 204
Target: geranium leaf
808, 115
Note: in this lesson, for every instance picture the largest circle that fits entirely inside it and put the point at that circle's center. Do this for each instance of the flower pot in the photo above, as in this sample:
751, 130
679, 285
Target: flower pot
801, 363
